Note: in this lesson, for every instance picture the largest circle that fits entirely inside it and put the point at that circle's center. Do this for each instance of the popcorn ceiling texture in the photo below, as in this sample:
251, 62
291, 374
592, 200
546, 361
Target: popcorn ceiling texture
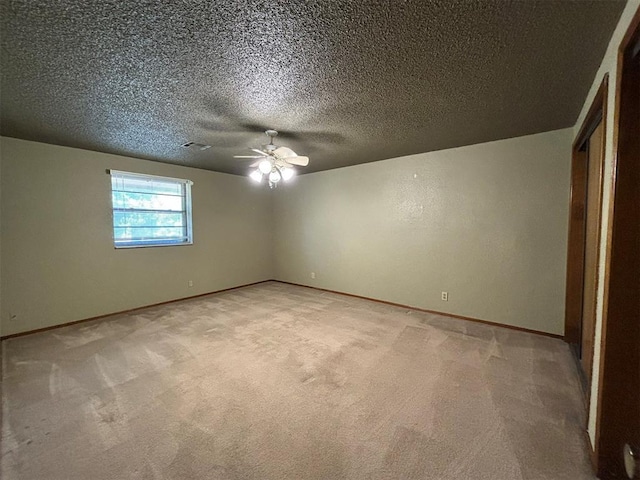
345, 82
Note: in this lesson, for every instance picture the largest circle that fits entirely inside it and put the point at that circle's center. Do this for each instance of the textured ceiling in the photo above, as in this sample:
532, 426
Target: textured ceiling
345, 82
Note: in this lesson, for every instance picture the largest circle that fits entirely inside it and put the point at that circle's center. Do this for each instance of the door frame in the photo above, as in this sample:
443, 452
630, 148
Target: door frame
577, 223
612, 383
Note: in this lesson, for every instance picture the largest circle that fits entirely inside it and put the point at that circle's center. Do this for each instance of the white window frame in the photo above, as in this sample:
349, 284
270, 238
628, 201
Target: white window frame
186, 211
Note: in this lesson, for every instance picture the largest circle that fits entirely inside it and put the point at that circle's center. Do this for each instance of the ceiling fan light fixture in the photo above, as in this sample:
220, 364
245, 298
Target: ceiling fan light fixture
274, 162
288, 173
256, 176
265, 166
274, 176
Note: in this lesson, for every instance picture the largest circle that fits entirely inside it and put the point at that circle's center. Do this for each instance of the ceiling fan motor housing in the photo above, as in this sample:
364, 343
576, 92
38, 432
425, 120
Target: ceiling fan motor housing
270, 147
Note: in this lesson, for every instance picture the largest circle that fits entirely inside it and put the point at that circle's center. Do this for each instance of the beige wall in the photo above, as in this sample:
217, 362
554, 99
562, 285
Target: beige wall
608, 65
58, 260
486, 223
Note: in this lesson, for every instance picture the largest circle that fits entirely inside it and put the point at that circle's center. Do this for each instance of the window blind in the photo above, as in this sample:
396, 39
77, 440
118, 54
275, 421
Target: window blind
149, 210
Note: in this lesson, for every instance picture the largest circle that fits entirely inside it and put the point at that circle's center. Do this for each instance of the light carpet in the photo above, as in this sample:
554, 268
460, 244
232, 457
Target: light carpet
281, 382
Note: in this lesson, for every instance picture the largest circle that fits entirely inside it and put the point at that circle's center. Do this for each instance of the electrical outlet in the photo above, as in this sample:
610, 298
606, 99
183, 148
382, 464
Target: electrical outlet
313, 274
445, 296
191, 283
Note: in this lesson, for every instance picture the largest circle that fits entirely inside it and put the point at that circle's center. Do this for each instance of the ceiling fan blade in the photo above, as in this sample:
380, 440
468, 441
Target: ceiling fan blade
248, 156
297, 160
259, 151
284, 152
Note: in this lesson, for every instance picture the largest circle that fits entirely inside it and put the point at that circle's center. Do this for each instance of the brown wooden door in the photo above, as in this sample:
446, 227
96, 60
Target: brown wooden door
591, 247
618, 421
587, 166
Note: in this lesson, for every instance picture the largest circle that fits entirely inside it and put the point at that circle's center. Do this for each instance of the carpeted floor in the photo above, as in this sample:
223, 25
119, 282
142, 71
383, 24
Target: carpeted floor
281, 382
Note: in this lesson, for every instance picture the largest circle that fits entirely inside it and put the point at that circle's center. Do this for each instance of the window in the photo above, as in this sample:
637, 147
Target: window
150, 211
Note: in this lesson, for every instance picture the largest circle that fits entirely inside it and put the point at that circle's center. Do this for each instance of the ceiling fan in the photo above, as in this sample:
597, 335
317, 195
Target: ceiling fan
274, 162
